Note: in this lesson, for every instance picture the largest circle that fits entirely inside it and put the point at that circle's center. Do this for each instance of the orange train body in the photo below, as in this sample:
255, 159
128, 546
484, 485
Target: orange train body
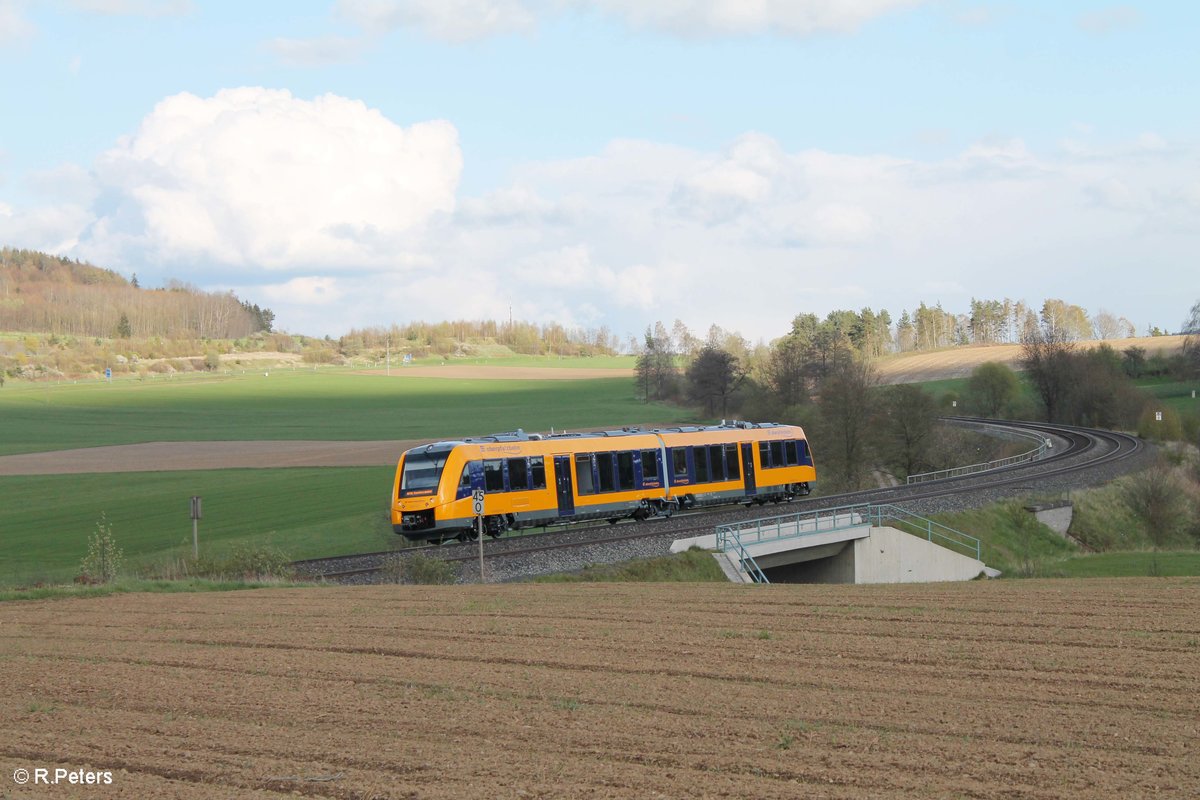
531, 480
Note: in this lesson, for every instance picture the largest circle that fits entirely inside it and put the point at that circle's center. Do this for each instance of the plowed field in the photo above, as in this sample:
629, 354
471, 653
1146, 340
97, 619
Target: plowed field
1001, 689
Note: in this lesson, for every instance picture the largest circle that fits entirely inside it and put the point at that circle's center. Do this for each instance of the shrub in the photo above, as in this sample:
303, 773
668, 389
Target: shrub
103, 558
1168, 429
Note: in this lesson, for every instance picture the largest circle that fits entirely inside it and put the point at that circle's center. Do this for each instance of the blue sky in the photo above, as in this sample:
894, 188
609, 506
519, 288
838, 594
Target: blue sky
611, 162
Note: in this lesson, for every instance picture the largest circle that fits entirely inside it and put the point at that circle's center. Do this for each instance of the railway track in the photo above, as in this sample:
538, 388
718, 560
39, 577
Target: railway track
1076, 453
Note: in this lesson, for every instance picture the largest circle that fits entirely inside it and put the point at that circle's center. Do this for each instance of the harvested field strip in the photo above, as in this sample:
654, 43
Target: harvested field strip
615, 690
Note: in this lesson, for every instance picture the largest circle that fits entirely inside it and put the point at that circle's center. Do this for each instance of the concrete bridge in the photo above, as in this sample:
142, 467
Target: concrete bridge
853, 544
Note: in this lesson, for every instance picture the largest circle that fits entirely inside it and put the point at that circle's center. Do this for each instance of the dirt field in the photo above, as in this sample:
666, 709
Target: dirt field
171, 456
958, 362
1022, 689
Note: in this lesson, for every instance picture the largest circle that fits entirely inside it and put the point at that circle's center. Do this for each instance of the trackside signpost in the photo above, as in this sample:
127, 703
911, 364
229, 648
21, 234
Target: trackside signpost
477, 508
195, 527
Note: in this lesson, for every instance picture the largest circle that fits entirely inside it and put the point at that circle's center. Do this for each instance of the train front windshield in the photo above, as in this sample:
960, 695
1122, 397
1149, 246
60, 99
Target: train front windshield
422, 471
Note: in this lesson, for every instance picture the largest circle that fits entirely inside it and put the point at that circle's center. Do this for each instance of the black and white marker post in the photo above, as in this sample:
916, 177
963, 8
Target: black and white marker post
477, 507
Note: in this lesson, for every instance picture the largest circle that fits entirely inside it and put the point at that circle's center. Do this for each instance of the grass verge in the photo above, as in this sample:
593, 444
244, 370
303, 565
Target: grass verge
304, 513
691, 566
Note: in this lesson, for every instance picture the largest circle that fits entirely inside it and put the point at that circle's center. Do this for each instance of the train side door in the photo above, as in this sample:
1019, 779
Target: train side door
566, 490
748, 468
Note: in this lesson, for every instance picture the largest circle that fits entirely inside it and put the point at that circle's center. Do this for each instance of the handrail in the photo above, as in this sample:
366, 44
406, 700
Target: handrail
811, 523
748, 562
984, 466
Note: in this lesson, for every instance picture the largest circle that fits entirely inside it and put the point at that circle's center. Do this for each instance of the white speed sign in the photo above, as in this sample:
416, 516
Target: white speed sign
477, 502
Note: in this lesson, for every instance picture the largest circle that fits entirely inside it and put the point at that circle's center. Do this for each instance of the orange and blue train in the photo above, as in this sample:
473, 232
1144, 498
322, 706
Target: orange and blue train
532, 480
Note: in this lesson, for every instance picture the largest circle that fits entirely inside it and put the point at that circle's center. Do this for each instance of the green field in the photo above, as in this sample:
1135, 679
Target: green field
46, 520
328, 405
303, 512
1173, 394
1127, 565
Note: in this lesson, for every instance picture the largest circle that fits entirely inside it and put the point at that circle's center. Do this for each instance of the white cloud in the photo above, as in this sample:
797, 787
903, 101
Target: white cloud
14, 27
51, 229
317, 52
66, 183
335, 217
451, 20
142, 8
306, 291
463, 20
1107, 20
746, 17
257, 177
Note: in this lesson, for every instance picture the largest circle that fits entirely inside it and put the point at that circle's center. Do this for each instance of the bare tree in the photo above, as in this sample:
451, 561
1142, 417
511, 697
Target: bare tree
713, 376
846, 409
1106, 325
908, 416
1045, 356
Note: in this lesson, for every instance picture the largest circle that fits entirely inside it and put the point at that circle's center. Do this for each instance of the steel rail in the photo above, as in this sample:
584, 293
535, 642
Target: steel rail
1086, 449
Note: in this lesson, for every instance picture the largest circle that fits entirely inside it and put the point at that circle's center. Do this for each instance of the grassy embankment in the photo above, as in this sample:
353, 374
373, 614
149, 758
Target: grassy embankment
303, 512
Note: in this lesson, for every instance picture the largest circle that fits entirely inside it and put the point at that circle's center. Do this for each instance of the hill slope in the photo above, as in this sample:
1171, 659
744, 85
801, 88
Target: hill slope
958, 362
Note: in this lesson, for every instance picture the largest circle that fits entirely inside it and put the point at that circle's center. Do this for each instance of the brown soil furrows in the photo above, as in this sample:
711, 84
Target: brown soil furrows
616, 691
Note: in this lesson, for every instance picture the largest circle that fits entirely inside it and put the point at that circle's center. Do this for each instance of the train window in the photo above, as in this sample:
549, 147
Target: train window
465, 481
717, 459
583, 474
777, 454
649, 465
604, 466
805, 455
537, 471
493, 475
518, 475
700, 454
625, 471
764, 454
679, 462
733, 469
789, 452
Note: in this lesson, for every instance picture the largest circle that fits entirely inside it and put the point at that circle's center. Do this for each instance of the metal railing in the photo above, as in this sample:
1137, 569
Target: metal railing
933, 531
728, 540
737, 536
971, 469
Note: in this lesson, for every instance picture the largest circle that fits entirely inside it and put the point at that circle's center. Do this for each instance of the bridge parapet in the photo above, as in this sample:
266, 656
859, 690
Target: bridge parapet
743, 541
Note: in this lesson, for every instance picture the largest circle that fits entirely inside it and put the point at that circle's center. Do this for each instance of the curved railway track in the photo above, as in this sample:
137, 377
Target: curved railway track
1077, 454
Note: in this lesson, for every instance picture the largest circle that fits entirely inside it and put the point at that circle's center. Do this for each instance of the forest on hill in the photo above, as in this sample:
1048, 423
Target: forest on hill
41, 293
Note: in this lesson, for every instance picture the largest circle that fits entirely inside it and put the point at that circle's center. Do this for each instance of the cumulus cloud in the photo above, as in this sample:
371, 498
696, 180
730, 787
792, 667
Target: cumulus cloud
336, 217
14, 27
257, 177
462, 20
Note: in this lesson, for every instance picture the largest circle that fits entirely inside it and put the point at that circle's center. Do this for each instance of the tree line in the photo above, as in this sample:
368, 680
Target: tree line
42, 293
820, 375
454, 337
